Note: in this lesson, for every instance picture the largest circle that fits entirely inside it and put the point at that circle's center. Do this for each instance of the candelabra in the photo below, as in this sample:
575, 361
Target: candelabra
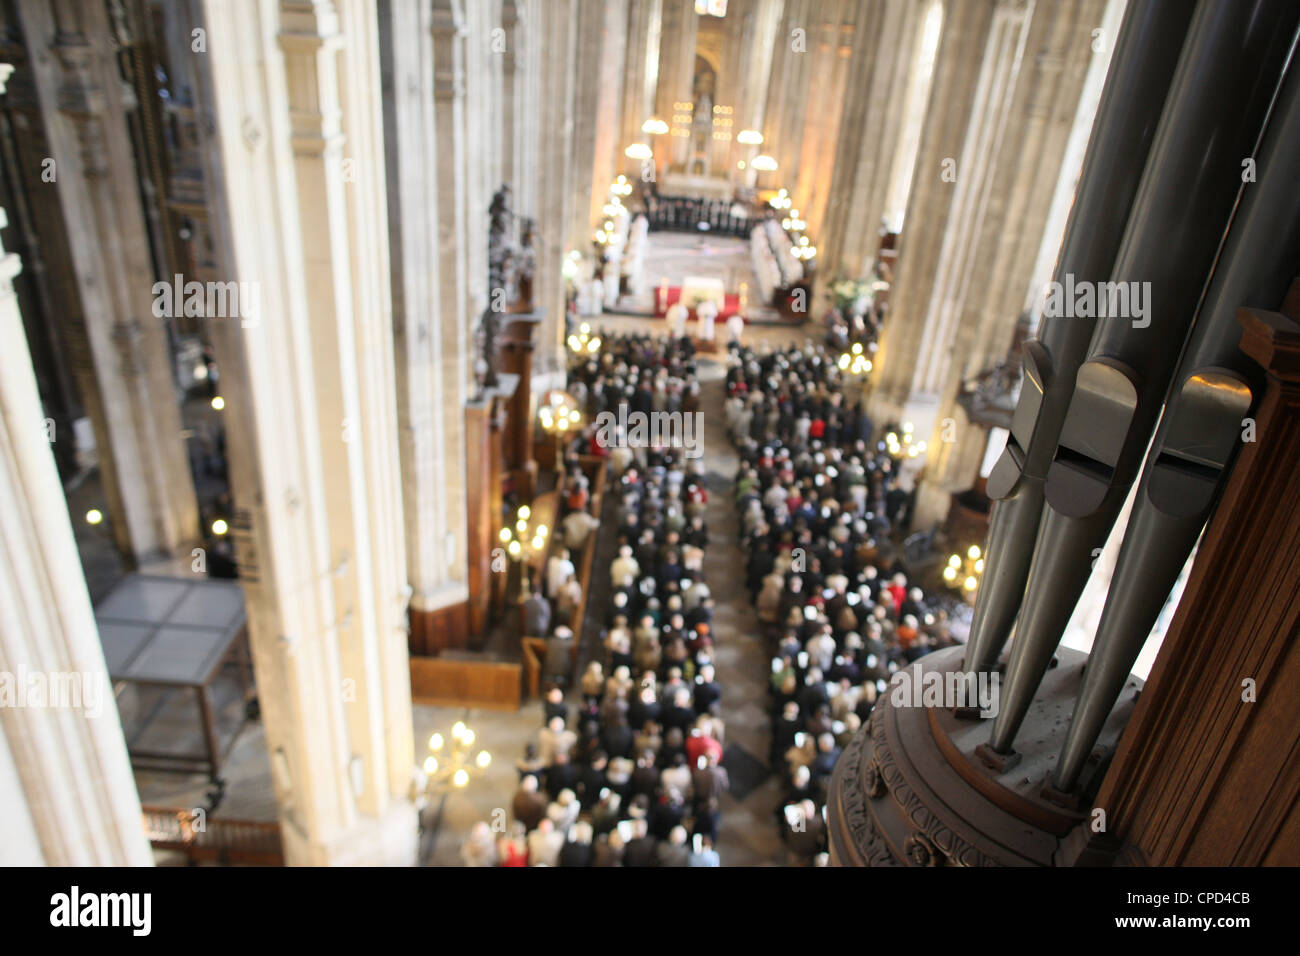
963, 574
450, 765
855, 361
522, 541
900, 443
559, 413
581, 342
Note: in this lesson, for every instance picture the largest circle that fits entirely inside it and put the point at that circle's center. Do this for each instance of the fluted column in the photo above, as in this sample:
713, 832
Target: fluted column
753, 69
886, 45
313, 447
606, 119
1007, 86
430, 387
841, 28
555, 30
482, 151
127, 383
455, 321
512, 70
676, 77
525, 41
788, 89
640, 77
67, 797
982, 285
950, 118
594, 92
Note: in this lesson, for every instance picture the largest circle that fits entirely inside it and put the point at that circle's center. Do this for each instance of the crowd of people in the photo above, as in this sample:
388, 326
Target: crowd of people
724, 217
633, 775
816, 501
553, 602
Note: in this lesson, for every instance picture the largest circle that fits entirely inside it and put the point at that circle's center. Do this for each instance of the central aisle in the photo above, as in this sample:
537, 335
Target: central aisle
748, 834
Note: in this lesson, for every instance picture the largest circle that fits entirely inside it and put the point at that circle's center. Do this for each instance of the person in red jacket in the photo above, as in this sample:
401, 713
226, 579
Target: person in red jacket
699, 744
898, 591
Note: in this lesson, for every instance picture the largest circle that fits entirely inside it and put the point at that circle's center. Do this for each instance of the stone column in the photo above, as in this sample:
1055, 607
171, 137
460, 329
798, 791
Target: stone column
788, 91
482, 149
884, 56
512, 71
606, 119
67, 797
640, 78
1036, 62
555, 25
840, 30
430, 386
762, 18
528, 99
127, 383
1007, 84
56, 329
318, 527
588, 55
676, 79
936, 182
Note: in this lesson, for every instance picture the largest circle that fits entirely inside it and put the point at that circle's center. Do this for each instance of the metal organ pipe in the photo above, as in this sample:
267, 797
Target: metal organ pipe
1212, 120
1200, 430
1142, 67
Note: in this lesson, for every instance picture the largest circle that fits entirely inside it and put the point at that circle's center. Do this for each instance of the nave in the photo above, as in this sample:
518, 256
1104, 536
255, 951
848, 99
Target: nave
727, 433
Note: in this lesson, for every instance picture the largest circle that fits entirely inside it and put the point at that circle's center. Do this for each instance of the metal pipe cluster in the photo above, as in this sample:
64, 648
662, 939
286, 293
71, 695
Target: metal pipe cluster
1169, 235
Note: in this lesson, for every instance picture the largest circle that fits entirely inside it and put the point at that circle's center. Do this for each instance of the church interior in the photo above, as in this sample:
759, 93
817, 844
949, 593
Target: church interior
649, 433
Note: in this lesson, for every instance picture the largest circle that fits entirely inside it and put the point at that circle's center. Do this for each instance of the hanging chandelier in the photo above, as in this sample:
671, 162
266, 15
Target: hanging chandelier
450, 765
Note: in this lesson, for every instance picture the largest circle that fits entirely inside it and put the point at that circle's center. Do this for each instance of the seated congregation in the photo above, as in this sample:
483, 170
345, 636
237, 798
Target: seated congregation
631, 775
817, 502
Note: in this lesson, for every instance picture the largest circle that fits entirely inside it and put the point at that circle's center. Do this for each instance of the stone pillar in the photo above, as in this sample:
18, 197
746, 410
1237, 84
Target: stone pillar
753, 69
482, 149
996, 240
938, 176
606, 119
512, 71
313, 451
640, 78
839, 32
455, 322
676, 79
127, 383
430, 384
56, 329
67, 797
555, 28
1007, 84
787, 91
884, 56
588, 55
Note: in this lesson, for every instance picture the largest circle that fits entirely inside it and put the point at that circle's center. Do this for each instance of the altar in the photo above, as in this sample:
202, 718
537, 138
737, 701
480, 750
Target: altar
697, 289
696, 187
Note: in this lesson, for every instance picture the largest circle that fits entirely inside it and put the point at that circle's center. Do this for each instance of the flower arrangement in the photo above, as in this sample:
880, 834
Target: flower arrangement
848, 292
